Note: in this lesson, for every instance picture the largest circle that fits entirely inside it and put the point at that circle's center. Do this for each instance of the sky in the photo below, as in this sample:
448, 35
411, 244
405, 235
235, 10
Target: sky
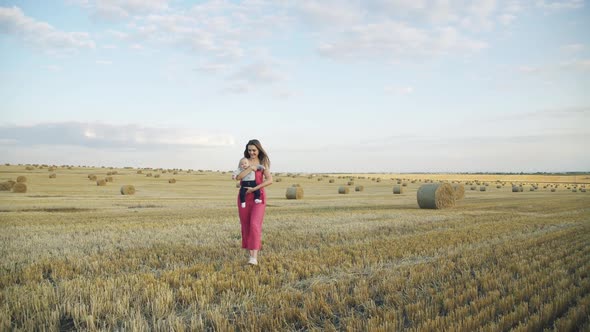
326, 86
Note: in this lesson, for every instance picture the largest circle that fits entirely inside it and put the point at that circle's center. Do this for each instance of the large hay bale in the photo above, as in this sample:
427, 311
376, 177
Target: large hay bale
436, 196
459, 190
101, 182
398, 189
343, 190
127, 189
516, 189
359, 188
171, 180
19, 187
21, 179
7, 186
294, 193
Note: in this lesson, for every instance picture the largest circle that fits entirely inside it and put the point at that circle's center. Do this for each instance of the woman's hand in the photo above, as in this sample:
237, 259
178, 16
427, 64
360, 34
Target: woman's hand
250, 190
254, 168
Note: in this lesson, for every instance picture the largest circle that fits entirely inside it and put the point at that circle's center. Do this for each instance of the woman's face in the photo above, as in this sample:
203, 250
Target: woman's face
253, 151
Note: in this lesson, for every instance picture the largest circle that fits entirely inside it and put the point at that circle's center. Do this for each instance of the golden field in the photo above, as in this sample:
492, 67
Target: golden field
77, 256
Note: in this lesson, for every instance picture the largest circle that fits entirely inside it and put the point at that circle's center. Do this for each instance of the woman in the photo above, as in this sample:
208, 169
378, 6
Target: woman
252, 215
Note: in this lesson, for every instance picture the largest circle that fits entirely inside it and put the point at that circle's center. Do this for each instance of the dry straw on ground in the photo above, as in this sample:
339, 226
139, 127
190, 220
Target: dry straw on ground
294, 193
127, 189
436, 196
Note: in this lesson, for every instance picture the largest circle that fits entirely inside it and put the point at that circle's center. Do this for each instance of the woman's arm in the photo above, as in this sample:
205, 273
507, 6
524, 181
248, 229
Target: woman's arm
267, 181
245, 172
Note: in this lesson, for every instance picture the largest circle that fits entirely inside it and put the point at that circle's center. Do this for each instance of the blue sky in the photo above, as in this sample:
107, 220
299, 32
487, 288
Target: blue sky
327, 86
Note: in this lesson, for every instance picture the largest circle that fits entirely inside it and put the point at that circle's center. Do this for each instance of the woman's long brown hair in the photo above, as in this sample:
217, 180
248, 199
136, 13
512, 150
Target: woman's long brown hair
262, 156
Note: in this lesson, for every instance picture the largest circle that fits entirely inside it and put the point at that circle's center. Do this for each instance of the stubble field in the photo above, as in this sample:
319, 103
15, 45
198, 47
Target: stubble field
77, 256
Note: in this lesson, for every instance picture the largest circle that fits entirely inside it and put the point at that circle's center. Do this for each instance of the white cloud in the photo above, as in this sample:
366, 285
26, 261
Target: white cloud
113, 10
41, 35
111, 136
560, 4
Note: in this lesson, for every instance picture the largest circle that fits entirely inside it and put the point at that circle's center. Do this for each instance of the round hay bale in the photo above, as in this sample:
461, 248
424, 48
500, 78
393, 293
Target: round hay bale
473, 187
52, 176
398, 189
331, 181
139, 172
278, 180
109, 179
482, 188
101, 182
19, 187
149, 175
157, 175
350, 183
343, 190
21, 179
171, 180
127, 189
515, 189
552, 190
498, 186
92, 177
29, 168
583, 190
7, 186
532, 189
294, 193
359, 188
436, 196
574, 190
459, 190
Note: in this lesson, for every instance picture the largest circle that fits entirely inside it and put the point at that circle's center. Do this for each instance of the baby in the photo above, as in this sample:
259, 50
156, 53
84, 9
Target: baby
248, 181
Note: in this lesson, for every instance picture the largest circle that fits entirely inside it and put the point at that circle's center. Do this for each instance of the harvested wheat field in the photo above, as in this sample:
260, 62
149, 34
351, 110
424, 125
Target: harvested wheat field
77, 256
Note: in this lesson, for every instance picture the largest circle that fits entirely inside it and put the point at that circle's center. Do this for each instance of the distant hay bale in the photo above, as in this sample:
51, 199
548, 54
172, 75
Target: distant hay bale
109, 179
343, 190
157, 175
473, 188
278, 180
516, 189
404, 184
127, 189
331, 181
101, 182
398, 189
7, 186
378, 179
21, 179
294, 193
359, 188
498, 186
459, 190
350, 183
19, 187
149, 175
482, 188
436, 196
29, 168
139, 172
532, 189
52, 176
583, 190
296, 185
552, 190
92, 177
574, 190
171, 180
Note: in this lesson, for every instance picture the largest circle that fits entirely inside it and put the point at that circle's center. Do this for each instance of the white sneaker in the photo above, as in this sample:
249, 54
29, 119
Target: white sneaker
244, 205
257, 201
253, 261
